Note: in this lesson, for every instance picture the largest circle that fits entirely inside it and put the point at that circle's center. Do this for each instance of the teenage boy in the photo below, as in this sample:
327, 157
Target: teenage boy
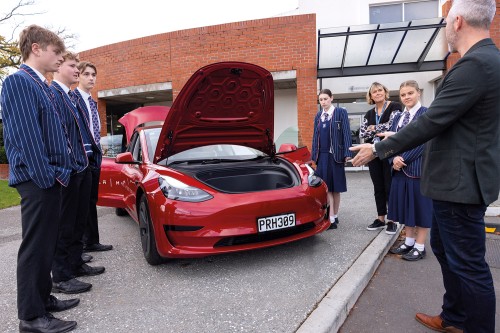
68, 262
87, 80
37, 150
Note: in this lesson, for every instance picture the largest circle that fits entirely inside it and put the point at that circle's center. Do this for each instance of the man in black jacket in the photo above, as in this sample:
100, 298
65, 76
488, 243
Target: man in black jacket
461, 167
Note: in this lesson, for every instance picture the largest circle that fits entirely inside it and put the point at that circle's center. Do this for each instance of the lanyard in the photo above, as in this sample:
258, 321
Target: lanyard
377, 117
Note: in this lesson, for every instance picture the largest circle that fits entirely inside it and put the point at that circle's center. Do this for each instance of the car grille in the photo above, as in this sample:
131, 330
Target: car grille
264, 237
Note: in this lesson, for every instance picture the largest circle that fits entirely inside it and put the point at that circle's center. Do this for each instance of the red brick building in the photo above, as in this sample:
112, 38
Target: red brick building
153, 69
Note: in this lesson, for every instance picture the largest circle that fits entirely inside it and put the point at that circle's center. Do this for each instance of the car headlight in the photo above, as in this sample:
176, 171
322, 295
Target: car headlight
312, 179
177, 190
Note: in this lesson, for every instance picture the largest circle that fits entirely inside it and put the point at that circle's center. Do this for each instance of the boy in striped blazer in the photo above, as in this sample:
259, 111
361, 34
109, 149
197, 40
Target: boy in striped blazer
38, 152
68, 262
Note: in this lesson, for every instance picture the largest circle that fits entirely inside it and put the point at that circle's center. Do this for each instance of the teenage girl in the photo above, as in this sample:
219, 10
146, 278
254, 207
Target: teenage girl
330, 150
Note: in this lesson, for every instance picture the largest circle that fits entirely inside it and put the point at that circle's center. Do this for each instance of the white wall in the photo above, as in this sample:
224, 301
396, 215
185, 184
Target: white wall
357, 86
339, 13
285, 111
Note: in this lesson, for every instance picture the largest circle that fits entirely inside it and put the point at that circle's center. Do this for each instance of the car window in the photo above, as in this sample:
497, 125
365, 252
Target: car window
222, 152
111, 145
152, 135
135, 147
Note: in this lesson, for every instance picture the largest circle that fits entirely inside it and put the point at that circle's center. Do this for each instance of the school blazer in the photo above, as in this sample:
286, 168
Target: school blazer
461, 161
84, 112
340, 136
413, 157
35, 142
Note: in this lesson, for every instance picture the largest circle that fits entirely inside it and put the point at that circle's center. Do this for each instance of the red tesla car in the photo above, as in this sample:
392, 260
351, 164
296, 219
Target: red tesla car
203, 177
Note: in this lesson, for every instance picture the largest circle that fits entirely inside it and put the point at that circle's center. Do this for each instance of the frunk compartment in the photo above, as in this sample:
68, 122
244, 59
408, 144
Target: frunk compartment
248, 179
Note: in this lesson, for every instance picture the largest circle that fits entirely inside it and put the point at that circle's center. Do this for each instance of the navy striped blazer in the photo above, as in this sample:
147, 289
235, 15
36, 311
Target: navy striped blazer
340, 136
413, 157
84, 112
35, 142
75, 128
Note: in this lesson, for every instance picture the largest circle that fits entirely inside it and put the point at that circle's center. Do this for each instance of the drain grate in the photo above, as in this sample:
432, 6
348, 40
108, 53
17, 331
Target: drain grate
493, 252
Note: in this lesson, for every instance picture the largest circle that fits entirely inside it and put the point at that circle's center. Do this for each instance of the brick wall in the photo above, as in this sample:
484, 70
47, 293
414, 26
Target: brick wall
277, 44
494, 31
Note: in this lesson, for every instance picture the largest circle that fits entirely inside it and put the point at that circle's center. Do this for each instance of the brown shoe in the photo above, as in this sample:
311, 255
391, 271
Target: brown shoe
436, 323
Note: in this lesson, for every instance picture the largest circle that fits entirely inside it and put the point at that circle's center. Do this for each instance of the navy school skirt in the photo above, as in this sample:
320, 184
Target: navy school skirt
406, 204
332, 173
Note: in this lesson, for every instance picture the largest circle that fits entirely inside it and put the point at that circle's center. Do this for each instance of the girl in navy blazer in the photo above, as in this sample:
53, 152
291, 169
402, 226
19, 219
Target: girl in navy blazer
330, 150
406, 204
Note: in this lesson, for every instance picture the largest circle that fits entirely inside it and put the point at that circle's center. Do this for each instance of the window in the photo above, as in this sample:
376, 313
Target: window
404, 11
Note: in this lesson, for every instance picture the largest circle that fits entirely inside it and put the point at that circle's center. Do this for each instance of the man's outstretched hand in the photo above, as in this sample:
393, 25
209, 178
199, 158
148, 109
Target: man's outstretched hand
364, 155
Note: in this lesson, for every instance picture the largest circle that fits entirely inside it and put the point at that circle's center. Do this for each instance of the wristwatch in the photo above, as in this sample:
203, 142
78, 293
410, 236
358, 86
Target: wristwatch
374, 151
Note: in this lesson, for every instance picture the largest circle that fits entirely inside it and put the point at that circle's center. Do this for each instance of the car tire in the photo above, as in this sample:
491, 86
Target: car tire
120, 212
146, 233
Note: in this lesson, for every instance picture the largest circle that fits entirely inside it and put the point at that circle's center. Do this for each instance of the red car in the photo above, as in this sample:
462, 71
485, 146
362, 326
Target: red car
209, 180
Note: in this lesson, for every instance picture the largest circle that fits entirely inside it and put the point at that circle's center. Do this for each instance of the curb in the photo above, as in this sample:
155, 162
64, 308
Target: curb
492, 211
333, 309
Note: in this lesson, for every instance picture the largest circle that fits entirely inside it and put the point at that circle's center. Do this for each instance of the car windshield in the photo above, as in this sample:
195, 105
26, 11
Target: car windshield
220, 152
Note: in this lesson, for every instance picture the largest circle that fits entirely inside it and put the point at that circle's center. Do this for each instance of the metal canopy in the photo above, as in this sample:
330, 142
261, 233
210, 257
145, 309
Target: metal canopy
398, 47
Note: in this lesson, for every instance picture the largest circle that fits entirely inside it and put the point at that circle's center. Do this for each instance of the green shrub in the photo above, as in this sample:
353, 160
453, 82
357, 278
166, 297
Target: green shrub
3, 156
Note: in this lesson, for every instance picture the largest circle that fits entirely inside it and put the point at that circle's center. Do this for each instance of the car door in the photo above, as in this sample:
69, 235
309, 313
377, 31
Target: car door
133, 174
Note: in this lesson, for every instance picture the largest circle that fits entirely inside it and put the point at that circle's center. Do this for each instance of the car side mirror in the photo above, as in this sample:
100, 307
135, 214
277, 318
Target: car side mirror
125, 158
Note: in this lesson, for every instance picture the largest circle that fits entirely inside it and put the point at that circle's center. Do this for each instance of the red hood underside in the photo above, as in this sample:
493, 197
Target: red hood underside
222, 103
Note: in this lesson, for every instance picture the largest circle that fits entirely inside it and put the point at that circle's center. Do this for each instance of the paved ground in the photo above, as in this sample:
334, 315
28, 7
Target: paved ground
399, 289
307, 286
271, 290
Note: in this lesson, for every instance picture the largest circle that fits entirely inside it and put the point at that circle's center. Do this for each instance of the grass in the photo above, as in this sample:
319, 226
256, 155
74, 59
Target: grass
8, 195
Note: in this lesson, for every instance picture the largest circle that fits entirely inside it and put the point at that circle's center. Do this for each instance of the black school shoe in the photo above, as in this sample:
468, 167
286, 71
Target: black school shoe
377, 224
57, 305
391, 229
401, 249
414, 255
46, 324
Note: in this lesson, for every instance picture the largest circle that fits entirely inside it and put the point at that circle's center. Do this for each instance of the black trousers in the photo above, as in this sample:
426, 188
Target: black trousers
91, 235
40, 216
380, 173
74, 211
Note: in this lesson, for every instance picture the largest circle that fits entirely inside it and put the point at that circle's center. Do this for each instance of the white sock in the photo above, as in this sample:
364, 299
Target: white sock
335, 216
332, 219
409, 241
419, 247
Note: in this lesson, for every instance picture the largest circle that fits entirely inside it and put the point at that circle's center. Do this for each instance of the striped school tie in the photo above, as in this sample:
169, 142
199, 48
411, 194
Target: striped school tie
95, 120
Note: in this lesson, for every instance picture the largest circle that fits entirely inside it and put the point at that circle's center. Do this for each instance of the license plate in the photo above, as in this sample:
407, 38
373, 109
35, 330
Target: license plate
276, 222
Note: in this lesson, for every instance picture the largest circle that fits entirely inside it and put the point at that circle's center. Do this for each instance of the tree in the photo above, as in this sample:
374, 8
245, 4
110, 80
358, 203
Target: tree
10, 55
9, 51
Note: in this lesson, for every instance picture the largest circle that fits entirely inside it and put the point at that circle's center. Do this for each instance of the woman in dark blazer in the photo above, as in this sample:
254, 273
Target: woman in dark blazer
406, 204
330, 150
379, 120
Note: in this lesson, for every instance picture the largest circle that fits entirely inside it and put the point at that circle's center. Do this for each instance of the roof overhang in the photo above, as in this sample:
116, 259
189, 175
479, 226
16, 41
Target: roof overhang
374, 49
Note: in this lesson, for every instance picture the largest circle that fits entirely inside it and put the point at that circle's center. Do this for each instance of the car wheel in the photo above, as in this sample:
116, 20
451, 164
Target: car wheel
120, 212
146, 231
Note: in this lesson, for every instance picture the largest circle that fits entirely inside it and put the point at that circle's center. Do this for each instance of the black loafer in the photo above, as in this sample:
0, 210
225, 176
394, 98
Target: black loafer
86, 258
414, 255
401, 249
57, 305
46, 324
97, 247
72, 286
86, 270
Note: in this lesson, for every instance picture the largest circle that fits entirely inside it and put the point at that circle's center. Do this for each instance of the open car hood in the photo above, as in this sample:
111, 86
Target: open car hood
222, 103
140, 116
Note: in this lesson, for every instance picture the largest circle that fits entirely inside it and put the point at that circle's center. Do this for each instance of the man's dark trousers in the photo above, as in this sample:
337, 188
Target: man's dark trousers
91, 235
40, 216
458, 241
74, 211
